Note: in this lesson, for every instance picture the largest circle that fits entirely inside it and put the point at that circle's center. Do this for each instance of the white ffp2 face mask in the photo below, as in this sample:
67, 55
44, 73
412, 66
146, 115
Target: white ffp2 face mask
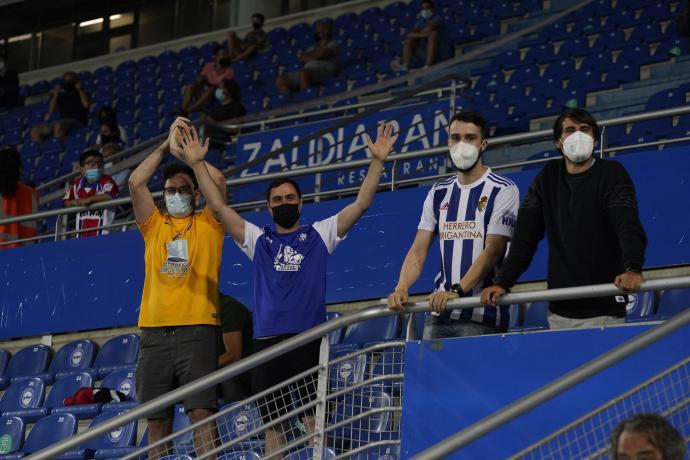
179, 205
578, 147
464, 156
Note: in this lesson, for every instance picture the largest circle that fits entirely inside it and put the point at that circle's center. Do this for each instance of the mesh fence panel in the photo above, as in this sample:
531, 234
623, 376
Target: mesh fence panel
667, 394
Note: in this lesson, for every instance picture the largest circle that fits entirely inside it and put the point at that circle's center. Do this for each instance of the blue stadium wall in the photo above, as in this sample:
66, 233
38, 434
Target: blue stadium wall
96, 282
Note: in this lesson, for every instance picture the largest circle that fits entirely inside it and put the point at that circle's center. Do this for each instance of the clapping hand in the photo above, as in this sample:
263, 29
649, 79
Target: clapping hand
192, 150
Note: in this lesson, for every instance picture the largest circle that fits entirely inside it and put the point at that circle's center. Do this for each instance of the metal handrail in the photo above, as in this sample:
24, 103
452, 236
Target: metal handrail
495, 141
317, 332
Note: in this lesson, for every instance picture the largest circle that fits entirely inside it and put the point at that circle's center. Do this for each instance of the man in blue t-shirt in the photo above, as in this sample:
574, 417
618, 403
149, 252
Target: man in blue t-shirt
426, 43
289, 272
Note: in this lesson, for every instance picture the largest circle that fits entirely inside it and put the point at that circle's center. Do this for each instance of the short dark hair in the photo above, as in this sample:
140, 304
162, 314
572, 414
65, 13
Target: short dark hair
10, 170
260, 16
430, 2
278, 182
71, 73
217, 49
659, 432
473, 117
89, 153
179, 168
578, 115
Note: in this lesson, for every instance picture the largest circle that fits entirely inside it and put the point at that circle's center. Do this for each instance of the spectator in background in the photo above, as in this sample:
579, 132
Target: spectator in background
9, 84
426, 43
588, 210
110, 129
473, 214
320, 62
109, 151
236, 326
289, 273
71, 103
16, 199
93, 186
200, 93
228, 95
648, 437
178, 316
256, 40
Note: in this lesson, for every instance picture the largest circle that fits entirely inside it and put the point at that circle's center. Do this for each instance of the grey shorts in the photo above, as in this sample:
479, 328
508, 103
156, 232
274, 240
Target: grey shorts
436, 328
318, 71
170, 357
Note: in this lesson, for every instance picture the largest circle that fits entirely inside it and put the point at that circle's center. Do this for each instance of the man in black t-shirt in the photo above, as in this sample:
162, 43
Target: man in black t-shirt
256, 40
71, 103
236, 326
588, 210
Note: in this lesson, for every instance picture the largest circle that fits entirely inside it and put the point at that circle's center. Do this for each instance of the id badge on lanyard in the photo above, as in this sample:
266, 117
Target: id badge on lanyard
178, 251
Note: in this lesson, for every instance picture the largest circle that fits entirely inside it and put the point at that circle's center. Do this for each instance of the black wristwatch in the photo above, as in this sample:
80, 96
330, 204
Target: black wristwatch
457, 289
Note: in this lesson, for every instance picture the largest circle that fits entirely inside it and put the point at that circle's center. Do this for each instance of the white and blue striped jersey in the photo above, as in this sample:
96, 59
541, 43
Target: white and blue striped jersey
462, 216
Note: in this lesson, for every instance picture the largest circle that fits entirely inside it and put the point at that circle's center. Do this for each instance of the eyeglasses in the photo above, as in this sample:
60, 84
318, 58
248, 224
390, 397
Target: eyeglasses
93, 164
184, 190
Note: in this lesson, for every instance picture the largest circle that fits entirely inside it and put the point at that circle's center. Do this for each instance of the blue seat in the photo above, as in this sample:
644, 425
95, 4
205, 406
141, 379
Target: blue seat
373, 330
124, 381
119, 452
307, 453
47, 431
347, 372
22, 396
336, 336
4, 359
640, 306
673, 302
61, 389
243, 455
238, 422
418, 332
11, 435
124, 436
117, 353
70, 359
369, 428
379, 453
27, 362
536, 318
184, 443
389, 362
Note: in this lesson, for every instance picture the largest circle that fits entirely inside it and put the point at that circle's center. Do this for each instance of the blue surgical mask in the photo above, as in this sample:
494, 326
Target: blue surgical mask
93, 175
220, 94
179, 205
426, 13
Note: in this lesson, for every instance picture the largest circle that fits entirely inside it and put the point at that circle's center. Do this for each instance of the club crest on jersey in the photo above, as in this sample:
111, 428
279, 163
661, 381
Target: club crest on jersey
481, 206
302, 237
287, 260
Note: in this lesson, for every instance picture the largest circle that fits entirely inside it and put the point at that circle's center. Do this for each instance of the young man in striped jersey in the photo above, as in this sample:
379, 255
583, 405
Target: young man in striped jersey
473, 213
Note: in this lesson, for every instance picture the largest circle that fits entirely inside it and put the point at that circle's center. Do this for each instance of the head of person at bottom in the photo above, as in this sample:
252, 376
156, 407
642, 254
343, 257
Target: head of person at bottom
467, 141
284, 199
647, 437
180, 190
575, 133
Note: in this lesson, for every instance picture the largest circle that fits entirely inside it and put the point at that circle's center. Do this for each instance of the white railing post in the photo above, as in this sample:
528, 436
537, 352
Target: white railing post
321, 392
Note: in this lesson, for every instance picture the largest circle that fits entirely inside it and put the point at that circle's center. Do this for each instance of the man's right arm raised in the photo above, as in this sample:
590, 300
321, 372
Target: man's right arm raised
193, 153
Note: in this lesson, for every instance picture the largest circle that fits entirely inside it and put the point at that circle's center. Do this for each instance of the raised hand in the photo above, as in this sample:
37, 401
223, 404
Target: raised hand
192, 150
384, 142
174, 136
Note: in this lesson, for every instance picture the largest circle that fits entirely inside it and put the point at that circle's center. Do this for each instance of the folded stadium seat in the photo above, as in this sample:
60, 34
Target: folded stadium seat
242, 455
550, 87
29, 151
124, 436
373, 330
661, 11
370, 428
187, 52
277, 100
560, 69
674, 97
507, 59
149, 129
364, 81
117, 353
54, 402
557, 32
335, 337
184, 443
47, 431
672, 47
21, 396
126, 66
576, 47
624, 72
4, 360
379, 453
13, 122
348, 372
147, 63
12, 137
26, 363
528, 74
12, 434
532, 107
167, 56
388, 362
70, 359
149, 113
652, 32
238, 422
307, 453
673, 301
641, 307
253, 105
536, 318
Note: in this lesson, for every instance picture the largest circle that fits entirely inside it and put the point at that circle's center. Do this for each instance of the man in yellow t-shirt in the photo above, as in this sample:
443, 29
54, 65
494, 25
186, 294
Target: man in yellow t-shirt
179, 305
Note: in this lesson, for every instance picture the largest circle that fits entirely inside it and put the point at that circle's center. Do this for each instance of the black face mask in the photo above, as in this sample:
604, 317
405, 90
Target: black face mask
286, 215
110, 138
257, 25
224, 62
69, 85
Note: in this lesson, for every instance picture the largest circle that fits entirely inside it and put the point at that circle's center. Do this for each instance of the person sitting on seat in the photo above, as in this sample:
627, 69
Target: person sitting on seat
200, 93
71, 103
320, 62
256, 40
16, 199
425, 44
